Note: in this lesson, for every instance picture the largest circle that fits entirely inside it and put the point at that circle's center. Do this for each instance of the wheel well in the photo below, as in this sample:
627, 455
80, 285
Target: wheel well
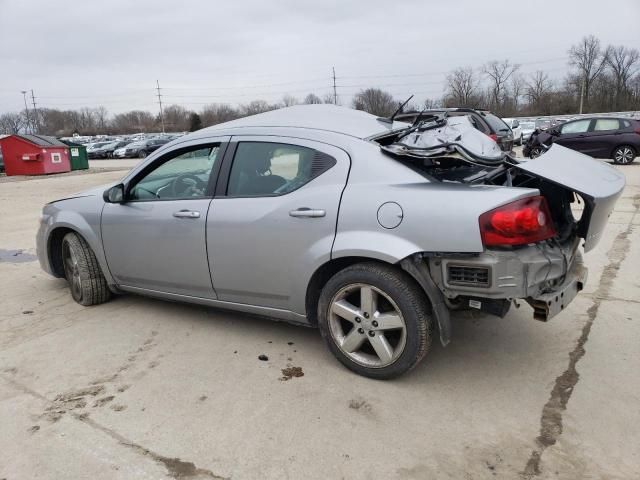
321, 276
54, 250
613, 150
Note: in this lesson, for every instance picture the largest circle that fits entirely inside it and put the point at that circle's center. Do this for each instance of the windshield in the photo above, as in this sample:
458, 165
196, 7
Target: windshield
496, 123
528, 125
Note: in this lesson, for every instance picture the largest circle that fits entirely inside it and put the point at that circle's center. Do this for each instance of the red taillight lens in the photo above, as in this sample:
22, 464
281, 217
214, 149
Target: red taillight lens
493, 137
637, 130
518, 223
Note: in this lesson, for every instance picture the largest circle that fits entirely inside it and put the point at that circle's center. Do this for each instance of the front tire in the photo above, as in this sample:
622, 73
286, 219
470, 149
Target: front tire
623, 155
375, 320
82, 271
142, 154
536, 152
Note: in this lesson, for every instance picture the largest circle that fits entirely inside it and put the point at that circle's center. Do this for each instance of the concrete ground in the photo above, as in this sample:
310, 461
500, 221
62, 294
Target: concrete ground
139, 388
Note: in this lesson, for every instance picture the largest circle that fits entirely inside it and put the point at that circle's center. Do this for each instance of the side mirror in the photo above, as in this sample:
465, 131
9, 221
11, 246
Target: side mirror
516, 124
115, 194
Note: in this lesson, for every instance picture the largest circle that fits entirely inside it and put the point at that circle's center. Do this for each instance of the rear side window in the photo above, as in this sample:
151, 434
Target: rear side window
496, 123
580, 126
604, 124
264, 168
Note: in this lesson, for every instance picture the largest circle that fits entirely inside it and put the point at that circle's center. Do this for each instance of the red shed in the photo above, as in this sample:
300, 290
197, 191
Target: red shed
34, 155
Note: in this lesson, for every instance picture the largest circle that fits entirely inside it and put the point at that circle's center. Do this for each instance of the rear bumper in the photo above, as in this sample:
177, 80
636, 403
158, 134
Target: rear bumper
536, 273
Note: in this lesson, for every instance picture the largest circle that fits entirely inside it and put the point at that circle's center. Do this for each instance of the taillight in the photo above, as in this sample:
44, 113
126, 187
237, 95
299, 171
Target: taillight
517, 223
637, 130
493, 137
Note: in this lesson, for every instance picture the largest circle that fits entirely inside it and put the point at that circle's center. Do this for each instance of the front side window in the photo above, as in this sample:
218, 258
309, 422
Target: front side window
580, 126
604, 124
185, 176
263, 168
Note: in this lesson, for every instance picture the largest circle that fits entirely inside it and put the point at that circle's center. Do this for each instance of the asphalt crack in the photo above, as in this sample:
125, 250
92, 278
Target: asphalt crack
551, 417
176, 467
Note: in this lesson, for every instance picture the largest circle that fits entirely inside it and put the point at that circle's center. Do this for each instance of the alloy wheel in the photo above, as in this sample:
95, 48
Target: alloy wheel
72, 270
367, 325
624, 155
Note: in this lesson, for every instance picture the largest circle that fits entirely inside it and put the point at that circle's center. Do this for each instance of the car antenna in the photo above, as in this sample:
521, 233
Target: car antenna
392, 117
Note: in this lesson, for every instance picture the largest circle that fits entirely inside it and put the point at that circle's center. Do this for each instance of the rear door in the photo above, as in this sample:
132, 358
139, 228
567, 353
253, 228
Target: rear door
603, 135
273, 219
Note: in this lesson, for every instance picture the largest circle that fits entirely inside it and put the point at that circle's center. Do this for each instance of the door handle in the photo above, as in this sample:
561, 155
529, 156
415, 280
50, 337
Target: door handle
305, 212
186, 214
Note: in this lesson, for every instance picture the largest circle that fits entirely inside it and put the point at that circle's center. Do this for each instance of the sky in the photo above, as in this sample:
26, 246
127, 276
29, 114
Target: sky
112, 52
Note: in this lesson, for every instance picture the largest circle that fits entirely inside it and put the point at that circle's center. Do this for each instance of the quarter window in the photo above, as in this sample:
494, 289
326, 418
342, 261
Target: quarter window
579, 126
603, 124
264, 168
185, 176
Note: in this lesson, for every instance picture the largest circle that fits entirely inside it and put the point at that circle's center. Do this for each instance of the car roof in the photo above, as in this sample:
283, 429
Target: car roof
331, 118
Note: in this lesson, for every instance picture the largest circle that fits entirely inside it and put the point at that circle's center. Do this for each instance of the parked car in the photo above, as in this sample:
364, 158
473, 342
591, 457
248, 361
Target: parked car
368, 228
92, 147
527, 127
483, 120
543, 123
599, 137
514, 125
106, 150
139, 149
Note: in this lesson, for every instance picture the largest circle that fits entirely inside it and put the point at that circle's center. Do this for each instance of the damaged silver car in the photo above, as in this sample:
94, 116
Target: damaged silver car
371, 229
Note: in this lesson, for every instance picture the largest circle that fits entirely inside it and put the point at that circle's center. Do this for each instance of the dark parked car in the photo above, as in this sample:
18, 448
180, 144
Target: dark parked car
483, 120
604, 137
106, 151
140, 149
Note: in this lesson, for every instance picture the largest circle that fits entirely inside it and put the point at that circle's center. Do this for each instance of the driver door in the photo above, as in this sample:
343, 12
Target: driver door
155, 240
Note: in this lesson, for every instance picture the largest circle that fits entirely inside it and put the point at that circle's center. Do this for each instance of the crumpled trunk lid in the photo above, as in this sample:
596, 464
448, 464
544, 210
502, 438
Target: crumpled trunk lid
600, 185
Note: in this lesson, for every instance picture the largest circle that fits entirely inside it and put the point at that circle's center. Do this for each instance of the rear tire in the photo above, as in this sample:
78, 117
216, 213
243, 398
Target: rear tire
624, 155
375, 320
82, 271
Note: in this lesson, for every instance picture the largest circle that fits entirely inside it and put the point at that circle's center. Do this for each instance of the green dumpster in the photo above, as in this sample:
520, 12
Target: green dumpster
78, 156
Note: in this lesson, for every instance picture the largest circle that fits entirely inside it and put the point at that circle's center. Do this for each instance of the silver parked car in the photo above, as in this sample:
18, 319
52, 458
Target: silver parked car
370, 229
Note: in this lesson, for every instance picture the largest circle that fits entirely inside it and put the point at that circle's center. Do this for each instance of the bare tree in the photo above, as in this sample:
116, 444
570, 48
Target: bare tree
218, 113
289, 100
311, 99
461, 87
431, 103
11, 123
375, 101
499, 74
518, 85
623, 63
538, 87
588, 58
256, 106
328, 98
101, 115
176, 118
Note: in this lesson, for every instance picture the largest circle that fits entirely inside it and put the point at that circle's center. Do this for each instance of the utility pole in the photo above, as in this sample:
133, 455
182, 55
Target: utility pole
335, 93
35, 112
582, 96
24, 97
160, 102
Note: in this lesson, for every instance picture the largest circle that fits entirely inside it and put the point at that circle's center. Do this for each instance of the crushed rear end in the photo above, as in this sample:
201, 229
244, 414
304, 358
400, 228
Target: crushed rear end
532, 246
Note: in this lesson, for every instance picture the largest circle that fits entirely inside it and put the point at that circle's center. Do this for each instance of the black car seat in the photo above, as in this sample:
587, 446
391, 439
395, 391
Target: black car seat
251, 174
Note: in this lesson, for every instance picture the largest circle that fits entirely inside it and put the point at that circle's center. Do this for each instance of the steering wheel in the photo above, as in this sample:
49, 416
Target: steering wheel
187, 183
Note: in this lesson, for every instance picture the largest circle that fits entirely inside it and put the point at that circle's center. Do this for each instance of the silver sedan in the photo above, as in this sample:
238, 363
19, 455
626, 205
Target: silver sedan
370, 229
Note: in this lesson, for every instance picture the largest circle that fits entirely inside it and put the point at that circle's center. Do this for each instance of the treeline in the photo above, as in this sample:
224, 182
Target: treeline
600, 79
